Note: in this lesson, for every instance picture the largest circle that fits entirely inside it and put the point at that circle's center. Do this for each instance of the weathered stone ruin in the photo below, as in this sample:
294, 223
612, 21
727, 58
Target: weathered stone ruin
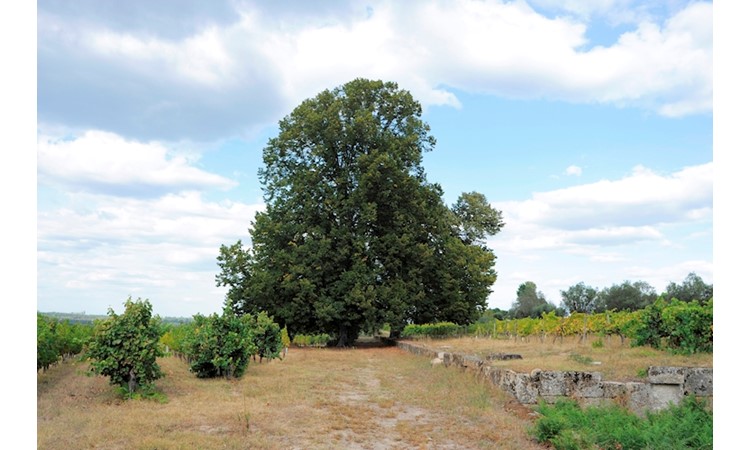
663, 386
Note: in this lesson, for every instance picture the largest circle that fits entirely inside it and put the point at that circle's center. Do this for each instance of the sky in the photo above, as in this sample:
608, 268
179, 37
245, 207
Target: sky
588, 123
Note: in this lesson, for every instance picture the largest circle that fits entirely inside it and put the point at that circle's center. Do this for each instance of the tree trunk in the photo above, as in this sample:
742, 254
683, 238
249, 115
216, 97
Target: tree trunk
342, 336
132, 384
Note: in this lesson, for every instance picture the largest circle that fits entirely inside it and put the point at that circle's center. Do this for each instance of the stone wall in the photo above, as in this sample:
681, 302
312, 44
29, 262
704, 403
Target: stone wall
664, 385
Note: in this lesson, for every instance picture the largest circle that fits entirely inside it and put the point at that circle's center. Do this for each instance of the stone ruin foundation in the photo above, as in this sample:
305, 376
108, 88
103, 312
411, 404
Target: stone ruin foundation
663, 385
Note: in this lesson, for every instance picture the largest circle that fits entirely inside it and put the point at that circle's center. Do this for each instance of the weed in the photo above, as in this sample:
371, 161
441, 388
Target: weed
145, 392
565, 425
583, 359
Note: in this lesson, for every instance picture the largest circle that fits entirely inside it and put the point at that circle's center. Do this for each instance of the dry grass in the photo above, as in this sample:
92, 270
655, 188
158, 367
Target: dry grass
617, 361
373, 398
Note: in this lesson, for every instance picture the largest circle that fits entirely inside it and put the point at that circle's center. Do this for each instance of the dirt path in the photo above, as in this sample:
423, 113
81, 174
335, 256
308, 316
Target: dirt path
389, 417
369, 398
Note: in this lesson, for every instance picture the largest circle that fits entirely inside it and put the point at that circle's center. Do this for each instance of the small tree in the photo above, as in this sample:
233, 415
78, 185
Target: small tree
221, 345
267, 337
125, 347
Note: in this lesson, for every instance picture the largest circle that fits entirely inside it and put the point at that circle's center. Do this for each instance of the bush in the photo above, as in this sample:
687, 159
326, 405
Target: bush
682, 327
434, 330
221, 345
311, 340
266, 337
58, 339
125, 347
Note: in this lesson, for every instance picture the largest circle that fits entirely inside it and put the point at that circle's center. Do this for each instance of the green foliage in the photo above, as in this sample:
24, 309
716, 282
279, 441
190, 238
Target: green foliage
353, 235
626, 296
530, 302
285, 341
221, 345
175, 339
580, 298
680, 326
266, 337
56, 339
565, 425
692, 288
476, 218
125, 347
311, 340
433, 330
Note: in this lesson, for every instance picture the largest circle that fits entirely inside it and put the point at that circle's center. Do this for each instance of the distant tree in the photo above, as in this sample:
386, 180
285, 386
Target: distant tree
499, 314
627, 296
530, 302
692, 288
579, 298
125, 347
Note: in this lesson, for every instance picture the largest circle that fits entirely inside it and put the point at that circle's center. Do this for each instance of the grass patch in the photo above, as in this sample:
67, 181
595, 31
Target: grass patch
619, 361
582, 359
316, 398
566, 426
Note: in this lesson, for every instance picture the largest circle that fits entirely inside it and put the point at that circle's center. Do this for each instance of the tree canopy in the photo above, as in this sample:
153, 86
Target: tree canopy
692, 288
530, 302
627, 296
580, 298
353, 233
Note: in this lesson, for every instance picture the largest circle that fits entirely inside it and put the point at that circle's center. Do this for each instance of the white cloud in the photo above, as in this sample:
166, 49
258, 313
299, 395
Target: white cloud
591, 219
163, 248
104, 162
273, 63
574, 170
607, 232
641, 198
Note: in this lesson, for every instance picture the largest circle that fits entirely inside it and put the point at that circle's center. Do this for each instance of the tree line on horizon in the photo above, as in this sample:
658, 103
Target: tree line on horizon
582, 298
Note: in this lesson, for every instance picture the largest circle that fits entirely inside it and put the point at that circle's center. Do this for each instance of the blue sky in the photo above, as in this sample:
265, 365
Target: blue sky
588, 123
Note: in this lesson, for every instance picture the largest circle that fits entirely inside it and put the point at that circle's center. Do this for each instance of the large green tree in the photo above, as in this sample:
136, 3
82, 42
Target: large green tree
353, 233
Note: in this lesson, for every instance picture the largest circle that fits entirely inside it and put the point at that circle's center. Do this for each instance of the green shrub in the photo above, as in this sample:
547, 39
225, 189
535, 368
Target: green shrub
125, 347
434, 330
681, 327
565, 425
311, 340
220, 345
266, 337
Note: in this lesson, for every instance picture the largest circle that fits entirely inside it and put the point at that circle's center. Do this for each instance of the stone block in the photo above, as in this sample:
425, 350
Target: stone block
699, 381
666, 375
663, 395
613, 389
552, 384
638, 397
